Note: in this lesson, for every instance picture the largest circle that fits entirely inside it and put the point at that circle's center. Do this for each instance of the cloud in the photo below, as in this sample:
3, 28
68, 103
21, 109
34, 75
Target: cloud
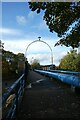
58, 56
42, 25
9, 31
38, 47
15, 45
21, 20
31, 15
43, 58
36, 50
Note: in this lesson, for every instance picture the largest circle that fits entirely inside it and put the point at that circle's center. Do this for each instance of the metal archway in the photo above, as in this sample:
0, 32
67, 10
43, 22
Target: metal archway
42, 42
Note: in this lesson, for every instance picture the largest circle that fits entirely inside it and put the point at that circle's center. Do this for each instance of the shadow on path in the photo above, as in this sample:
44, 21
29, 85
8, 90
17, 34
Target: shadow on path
48, 99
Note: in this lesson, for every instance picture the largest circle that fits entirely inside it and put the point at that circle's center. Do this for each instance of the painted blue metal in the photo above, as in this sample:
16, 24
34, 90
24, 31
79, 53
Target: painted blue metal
67, 78
67, 72
18, 89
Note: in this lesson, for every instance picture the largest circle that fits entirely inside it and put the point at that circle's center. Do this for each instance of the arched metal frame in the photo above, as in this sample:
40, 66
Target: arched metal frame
44, 43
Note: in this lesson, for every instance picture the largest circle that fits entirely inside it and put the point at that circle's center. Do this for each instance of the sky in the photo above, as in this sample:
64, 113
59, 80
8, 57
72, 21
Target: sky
21, 26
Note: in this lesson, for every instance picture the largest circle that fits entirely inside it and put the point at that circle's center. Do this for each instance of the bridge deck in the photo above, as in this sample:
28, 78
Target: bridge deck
46, 98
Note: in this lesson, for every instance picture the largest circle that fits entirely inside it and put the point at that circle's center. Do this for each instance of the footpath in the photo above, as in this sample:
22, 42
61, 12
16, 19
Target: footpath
46, 98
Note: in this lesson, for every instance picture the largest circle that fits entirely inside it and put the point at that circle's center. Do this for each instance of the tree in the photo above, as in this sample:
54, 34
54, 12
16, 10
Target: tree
77, 62
5, 68
10, 63
59, 17
71, 61
35, 64
21, 56
1, 45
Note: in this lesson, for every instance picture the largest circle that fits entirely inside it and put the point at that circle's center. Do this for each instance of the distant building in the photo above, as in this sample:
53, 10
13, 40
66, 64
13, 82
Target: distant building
48, 67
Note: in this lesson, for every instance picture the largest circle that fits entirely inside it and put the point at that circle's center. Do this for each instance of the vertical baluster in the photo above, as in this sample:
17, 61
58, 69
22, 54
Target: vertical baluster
16, 92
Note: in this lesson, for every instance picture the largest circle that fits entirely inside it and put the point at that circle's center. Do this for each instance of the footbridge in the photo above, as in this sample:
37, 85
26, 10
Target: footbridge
44, 94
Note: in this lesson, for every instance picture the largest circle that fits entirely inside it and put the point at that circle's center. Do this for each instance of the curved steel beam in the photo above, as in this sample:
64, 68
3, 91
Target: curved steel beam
42, 42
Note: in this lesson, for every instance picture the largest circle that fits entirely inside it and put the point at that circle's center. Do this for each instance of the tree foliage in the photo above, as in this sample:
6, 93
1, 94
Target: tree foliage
21, 56
59, 17
71, 61
5, 67
35, 64
10, 63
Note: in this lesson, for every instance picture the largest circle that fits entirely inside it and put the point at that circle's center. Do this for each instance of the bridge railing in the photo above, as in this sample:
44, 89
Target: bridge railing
68, 78
65, 72
12, 98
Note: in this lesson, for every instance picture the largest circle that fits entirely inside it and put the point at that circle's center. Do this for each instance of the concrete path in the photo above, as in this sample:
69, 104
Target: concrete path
46, 98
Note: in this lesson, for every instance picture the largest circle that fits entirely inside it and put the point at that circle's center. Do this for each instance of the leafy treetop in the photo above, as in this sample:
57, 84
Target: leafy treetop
59, 17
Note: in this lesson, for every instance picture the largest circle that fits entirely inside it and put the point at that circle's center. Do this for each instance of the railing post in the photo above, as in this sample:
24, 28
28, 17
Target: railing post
15, 101
16, 92
26, 71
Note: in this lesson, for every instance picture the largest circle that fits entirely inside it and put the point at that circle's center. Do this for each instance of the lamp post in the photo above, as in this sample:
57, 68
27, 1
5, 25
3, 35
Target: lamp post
39, 40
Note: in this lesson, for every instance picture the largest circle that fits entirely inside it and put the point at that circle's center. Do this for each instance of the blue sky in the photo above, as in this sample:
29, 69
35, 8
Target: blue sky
21, 26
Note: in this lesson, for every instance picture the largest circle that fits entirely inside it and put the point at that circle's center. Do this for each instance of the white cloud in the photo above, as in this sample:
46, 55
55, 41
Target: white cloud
21, 20
8, 31
58, 56
59, 52
38, 47
15, 45
42, 25
43, 58
31, 15
36, 50
0, 14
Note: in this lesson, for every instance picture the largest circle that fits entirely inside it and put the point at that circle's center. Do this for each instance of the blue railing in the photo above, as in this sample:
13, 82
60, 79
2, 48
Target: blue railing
12, 98
66, 72
67, 78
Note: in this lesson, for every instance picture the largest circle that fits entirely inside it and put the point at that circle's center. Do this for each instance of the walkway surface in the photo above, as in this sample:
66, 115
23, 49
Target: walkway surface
46, 98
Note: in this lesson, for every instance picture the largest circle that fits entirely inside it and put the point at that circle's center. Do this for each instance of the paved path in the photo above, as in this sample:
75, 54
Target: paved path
46, 98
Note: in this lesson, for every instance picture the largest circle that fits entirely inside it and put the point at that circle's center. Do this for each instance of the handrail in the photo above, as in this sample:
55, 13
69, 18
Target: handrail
67, 78
13, 96
64, 71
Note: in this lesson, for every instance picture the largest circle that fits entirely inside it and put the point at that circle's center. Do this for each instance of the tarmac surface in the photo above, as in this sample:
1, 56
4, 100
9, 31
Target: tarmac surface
48, 98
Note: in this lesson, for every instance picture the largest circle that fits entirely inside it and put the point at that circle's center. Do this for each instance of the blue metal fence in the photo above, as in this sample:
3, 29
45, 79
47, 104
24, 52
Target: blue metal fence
66, 72
12, 98
67, 78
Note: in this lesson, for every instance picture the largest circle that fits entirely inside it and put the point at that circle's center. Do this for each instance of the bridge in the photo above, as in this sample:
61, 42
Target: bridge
44, 94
